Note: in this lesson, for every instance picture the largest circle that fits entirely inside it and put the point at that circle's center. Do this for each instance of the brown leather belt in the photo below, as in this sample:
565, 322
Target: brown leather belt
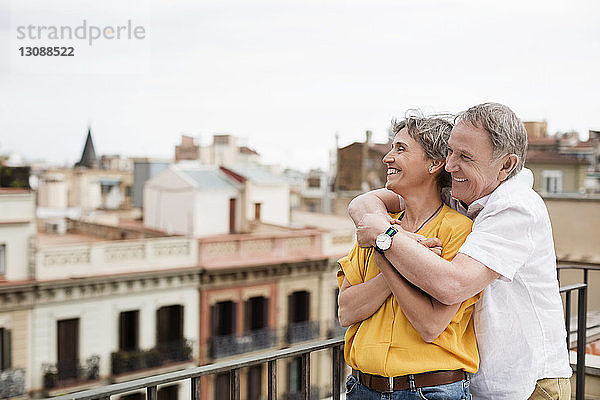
425, 379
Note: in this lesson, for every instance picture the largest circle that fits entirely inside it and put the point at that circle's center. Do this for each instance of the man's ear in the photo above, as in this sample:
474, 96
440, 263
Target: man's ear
509, 163
435, 166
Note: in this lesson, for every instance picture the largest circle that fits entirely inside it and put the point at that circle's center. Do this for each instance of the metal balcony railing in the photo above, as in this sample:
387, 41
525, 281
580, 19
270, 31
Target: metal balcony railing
12, 383
130, 361
582, 289
584, 268
194, 374
71, 372
302, 331
150, 384
314, 394
228, 345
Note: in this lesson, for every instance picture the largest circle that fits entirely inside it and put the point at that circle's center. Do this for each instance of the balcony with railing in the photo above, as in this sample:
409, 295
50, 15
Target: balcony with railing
58, 258
305, 389
253, 249
302, 331
228, 345
12, 383
123, 362
71, 372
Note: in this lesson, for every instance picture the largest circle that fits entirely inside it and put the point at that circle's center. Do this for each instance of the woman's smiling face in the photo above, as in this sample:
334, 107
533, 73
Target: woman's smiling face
407, 164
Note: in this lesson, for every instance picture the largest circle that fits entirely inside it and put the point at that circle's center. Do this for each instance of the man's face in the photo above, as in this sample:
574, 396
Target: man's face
470, 161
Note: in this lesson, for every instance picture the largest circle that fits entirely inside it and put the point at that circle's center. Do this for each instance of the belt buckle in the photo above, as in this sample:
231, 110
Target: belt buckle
390, 384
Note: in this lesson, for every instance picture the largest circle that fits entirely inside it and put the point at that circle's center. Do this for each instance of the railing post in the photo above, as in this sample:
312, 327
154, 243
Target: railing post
335, 361
306, 376
235, 384
581, 342
196, 388
568, 318
272, 389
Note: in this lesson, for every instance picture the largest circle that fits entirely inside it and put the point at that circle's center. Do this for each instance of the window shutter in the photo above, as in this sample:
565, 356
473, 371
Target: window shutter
5, 347
292, 308
265, 314
122, 332
214, 320
234, 309
248, 316
136, 330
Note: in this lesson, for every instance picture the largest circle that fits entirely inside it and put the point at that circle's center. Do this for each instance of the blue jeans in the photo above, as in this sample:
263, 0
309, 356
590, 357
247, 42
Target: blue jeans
452, 391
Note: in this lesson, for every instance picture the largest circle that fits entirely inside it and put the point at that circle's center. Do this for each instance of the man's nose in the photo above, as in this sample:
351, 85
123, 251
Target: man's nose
450, 164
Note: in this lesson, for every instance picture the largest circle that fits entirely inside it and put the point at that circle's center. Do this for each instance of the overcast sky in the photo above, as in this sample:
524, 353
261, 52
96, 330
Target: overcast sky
285, 76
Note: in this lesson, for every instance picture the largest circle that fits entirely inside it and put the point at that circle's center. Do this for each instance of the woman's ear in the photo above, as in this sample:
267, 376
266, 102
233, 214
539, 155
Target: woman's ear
435, 166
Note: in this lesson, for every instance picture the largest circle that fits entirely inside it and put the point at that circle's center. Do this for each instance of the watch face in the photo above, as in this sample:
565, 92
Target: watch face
383, 241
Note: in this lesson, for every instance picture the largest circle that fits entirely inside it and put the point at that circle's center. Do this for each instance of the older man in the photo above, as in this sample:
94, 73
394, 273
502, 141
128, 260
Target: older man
510, 253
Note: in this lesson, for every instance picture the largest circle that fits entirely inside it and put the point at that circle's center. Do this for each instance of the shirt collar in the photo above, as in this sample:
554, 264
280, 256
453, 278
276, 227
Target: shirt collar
524, 177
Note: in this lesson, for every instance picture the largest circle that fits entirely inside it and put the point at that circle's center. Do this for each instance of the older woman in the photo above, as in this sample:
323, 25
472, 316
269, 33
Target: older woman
401, 340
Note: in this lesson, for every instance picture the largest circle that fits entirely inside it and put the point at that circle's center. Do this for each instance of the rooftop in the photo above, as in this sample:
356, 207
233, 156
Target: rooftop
547, 156
207, 178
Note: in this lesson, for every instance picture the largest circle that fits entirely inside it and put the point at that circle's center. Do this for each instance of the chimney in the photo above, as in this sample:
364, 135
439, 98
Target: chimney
364, 161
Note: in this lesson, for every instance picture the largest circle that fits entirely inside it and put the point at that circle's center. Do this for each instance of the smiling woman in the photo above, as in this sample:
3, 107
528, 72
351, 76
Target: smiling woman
400, 338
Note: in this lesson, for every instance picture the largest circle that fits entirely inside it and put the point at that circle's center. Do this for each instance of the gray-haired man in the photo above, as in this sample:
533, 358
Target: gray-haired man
510, 253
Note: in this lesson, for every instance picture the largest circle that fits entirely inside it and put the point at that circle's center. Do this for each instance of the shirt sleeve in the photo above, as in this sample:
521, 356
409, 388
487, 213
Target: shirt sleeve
501, 238
349, 267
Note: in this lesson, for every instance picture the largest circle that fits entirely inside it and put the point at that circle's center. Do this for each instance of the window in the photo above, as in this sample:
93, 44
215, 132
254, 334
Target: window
254, 387
257, 211
133, 396
168, 392
257, 313
129, 330
222, 386
552, 181
5, 349
169, 331
298, 307
68, 348
295, 375
2, 259
314, 182
232, 215
223, 316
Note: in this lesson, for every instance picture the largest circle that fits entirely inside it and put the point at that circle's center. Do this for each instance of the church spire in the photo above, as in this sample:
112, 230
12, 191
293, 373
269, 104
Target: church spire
88, 157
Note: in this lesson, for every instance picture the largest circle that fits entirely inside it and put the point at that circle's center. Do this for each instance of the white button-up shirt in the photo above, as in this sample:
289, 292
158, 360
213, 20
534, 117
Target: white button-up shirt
519, 320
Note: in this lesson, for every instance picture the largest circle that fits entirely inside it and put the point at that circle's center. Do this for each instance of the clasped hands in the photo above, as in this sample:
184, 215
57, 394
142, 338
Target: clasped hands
371, 225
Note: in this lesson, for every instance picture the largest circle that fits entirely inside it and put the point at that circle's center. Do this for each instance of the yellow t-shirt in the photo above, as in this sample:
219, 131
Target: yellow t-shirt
386, 343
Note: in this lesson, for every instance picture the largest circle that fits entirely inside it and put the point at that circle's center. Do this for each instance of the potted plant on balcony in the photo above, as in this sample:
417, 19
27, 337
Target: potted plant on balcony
50, 376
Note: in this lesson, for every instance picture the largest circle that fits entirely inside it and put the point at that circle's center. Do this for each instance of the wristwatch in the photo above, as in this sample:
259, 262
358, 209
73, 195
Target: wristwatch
384, 240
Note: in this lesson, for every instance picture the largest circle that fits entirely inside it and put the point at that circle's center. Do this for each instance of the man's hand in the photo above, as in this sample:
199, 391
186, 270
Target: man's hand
433, 244
369, 227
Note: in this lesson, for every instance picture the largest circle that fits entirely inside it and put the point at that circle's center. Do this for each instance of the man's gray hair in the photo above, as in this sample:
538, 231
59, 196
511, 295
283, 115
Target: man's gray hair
432, 133
507, 132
